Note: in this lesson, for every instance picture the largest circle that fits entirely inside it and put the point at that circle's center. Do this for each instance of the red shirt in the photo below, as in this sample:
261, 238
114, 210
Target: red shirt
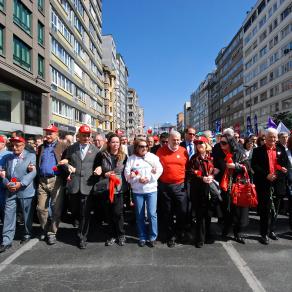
174, 164
272, 155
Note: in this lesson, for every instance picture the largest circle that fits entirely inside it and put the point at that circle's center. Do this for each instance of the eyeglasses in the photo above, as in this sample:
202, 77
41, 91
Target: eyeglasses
192, 134
200, 142
164, 142
142, 146
223, 143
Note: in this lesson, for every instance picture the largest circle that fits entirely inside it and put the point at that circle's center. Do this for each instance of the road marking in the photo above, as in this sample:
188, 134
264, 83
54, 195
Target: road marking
18, 253
242, 266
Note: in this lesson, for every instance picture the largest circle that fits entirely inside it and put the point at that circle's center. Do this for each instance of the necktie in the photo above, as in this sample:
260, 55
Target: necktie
191, 150
82, 151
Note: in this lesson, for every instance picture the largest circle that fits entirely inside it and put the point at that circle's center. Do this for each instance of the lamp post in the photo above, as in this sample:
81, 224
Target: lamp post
249, 87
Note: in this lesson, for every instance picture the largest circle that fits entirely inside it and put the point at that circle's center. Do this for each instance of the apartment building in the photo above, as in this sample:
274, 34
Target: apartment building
229, 64
187, 114
76, 64
180, 121
132, 113
267, 52
24, 65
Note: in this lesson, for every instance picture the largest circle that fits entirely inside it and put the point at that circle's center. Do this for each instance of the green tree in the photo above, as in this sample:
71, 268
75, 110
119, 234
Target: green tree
285, 118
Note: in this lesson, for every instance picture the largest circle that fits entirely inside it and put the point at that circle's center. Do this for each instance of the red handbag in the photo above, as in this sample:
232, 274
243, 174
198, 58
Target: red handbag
243, 192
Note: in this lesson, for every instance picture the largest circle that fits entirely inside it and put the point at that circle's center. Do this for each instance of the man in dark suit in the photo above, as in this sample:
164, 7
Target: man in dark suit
18, 176
50, 183
163, 140
80, 157
269, 163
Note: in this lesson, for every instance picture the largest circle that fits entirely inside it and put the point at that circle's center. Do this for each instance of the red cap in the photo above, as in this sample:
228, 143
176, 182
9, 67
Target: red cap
84, 129
17, 139
52, 128
155, 138
2, 139
201, 139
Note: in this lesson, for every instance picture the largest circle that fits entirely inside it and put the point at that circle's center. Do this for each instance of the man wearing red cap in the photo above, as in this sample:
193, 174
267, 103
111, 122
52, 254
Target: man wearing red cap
18, 181
50, 187
80, 157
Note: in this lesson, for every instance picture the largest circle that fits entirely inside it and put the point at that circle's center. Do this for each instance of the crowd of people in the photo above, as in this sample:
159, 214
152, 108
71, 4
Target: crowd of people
175, 185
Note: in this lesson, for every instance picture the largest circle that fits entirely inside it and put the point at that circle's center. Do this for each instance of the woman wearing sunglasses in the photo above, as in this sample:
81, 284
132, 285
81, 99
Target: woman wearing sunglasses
142, 172
231, 162
201, 174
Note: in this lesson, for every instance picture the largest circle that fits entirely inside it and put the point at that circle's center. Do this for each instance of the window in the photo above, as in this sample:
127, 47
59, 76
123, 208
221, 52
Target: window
286, 12
78, 26
41, 5
263, 51
62, 109
61, 53
287, 85
264, 81
57, 24
1, 40
2, 5
41, 66
21, 53
286, 31
61, 81
263, 36
40, 33
22, 16
262, 22
263, 96
79, 7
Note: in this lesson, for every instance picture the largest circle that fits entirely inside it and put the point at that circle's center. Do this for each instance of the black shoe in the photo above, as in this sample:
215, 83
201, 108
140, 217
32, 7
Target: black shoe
121, 240
141, 243
171, 243
239, 239
209, 239
4, 247
273, 236
264, 240
82, 244
25, 240
199, 244
51, 239
43, 236
110, 241
151, 243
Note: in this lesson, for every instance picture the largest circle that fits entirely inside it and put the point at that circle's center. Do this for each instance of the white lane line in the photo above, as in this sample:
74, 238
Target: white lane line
242, 266
18, 253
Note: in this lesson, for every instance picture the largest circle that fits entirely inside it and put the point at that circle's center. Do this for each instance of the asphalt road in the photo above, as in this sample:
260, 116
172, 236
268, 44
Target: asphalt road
222, 266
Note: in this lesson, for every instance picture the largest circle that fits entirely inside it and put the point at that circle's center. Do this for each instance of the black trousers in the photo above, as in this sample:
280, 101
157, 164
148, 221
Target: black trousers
81, 206
173, 201
115, 215
289, 194
268, 209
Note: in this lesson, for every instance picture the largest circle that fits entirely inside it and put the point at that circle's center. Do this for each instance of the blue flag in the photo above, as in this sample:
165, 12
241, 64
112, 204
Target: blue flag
271, 123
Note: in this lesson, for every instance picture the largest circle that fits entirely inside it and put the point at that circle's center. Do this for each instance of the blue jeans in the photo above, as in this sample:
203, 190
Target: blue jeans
151, 203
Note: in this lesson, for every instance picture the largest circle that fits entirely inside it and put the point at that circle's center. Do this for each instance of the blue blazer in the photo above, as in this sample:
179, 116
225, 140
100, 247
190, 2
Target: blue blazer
22, 174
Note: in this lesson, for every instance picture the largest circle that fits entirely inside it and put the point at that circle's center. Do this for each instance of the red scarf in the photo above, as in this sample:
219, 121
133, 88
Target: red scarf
113, 182
225, 179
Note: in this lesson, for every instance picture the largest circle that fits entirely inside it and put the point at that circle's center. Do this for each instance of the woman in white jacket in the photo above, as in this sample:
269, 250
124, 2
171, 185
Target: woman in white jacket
142, 172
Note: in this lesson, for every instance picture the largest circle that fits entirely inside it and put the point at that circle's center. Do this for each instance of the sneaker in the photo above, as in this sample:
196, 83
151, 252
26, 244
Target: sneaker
51, 239
121, 240
43, 236
110, 241
171, 243
4, 247
141, 243
151, 243
82, 244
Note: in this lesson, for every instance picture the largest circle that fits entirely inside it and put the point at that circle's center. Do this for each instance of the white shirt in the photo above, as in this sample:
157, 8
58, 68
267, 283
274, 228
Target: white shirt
143, 167
83, 150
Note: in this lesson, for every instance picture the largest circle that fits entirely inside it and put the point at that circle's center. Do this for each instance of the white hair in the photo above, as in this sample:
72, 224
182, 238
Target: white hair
228, 131
271, 131
174, 133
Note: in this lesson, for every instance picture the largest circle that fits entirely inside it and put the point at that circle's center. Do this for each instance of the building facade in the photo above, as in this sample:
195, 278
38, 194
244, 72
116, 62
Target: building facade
180, 121
24, 65
267, 52
141, 126
229, 64
76, 64
187, 114
132, 113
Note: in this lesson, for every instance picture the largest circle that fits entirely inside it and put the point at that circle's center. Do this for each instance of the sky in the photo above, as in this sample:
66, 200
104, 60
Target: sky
169, 46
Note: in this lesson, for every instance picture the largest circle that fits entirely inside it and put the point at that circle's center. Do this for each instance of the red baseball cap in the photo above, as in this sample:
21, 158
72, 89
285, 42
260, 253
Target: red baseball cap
155, 138
201, 139
84, 129
17, 139
52, 128
2, 139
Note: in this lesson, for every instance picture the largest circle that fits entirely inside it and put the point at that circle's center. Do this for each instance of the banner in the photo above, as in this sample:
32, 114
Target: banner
248, 126
255, 120
218, 126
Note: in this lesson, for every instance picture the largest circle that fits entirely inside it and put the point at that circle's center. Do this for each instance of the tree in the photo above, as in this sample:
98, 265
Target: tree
285, 118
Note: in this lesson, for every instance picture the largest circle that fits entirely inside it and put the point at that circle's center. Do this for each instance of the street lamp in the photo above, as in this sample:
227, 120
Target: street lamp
249, 87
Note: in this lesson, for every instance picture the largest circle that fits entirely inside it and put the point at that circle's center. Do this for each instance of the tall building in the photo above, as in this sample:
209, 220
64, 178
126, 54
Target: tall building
109, 98
267, 51
180, 121
132, 113
200, 105
115, 62
76, 64
24, 65
214, 103
230, 78
140, 127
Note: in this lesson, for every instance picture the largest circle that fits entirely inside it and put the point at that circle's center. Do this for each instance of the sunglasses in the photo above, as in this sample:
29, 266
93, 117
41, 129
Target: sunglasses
164, 142
142, 146
200, 142
192, 134
223, 143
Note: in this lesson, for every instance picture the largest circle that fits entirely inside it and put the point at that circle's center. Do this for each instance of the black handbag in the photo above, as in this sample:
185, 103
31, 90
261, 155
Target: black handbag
101, 186
215, 191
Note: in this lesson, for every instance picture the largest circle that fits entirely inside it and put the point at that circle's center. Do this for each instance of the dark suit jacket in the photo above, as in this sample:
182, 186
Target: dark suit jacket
155, 148
83, 179
260, 166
